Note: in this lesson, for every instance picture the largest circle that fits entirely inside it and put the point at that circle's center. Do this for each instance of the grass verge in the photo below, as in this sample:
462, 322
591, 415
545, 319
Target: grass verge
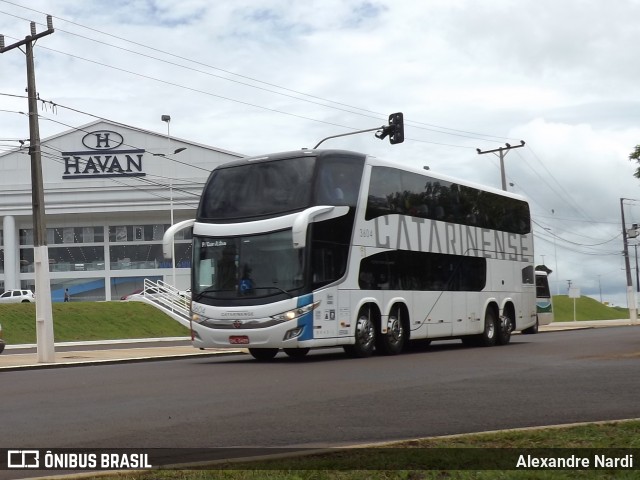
473, 457
84, 321
123, 320
586, 309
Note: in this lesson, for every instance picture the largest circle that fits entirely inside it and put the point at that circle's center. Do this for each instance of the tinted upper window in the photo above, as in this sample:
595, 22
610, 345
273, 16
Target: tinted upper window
258, 189
338, 181
263, 188
395, 191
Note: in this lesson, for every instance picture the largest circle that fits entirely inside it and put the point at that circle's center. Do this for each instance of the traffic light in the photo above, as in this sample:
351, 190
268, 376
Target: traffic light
396, 124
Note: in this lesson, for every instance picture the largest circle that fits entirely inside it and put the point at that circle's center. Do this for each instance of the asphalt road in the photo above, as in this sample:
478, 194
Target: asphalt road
326, 399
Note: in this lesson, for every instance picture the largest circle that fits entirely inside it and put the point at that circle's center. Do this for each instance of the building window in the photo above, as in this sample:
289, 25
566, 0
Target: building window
80, 290
130, 257
66, 259
158, 232
121, 287
119, 234
184, 234
65, 235
137, 233
26, 236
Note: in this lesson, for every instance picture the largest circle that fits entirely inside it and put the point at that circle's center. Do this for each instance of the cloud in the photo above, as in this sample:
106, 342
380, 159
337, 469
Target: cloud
255, 76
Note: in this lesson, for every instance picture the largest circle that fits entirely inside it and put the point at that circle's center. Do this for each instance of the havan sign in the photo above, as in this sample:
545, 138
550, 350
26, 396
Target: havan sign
102, 158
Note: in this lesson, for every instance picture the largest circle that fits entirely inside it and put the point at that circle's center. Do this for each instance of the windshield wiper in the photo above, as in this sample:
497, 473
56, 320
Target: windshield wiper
208, 292
273, 288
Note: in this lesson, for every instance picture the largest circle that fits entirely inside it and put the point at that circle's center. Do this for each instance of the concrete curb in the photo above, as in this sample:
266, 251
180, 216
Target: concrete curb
77, 358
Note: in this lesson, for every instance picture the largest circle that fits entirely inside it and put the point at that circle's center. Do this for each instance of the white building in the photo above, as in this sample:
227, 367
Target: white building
111, 191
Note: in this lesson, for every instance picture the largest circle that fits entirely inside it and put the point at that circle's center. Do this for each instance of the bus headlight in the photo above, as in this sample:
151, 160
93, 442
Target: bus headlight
295, 313
197, 318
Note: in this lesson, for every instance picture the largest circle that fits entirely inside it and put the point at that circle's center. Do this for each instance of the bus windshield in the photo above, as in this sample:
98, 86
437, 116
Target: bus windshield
246, 267
261, 189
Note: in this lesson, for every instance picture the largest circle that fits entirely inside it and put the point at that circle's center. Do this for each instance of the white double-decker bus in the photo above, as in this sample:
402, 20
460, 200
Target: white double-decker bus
319, 248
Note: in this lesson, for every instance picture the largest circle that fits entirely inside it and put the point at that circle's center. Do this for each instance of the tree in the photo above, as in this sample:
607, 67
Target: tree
635, 155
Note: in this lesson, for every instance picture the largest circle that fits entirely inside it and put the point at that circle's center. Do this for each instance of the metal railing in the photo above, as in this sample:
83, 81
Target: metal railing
166, 298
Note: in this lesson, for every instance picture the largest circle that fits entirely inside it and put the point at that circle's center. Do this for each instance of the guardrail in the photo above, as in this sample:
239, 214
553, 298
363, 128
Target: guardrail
166, 298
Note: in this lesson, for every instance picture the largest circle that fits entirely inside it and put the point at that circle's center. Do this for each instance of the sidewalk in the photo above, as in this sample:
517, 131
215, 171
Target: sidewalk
134, 353
555, 326
9, 360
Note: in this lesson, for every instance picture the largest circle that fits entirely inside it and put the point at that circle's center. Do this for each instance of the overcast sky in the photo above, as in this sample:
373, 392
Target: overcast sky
260, 76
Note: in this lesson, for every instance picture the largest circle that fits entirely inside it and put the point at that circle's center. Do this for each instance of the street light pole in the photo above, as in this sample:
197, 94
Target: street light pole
167, 118
555, 255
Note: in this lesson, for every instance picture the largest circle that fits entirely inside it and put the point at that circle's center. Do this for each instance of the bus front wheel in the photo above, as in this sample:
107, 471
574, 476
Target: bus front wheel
296, 352
365, 335
263, 354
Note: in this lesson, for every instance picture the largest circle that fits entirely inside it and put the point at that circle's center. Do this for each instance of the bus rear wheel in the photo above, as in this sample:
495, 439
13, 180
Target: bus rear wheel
505, 327
365, 336
531, 330
393, 341
263, 354
488, 336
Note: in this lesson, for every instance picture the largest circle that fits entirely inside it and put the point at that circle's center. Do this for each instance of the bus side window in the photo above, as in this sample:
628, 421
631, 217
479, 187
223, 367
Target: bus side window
339, 182
542, 287
527, 275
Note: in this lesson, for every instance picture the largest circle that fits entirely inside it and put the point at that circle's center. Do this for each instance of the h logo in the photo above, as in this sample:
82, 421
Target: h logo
102, 140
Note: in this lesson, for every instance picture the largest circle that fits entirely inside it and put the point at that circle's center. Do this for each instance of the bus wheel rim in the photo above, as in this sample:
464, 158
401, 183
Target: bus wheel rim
364, 331
394, 331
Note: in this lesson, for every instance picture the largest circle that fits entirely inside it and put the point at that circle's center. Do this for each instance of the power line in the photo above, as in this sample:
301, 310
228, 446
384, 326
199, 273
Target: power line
168, 157
570, 201
316, 99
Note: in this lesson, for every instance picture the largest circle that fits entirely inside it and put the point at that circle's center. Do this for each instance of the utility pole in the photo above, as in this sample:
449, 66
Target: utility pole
631, 295
600, 287
637, 272
501, 153
44, 313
